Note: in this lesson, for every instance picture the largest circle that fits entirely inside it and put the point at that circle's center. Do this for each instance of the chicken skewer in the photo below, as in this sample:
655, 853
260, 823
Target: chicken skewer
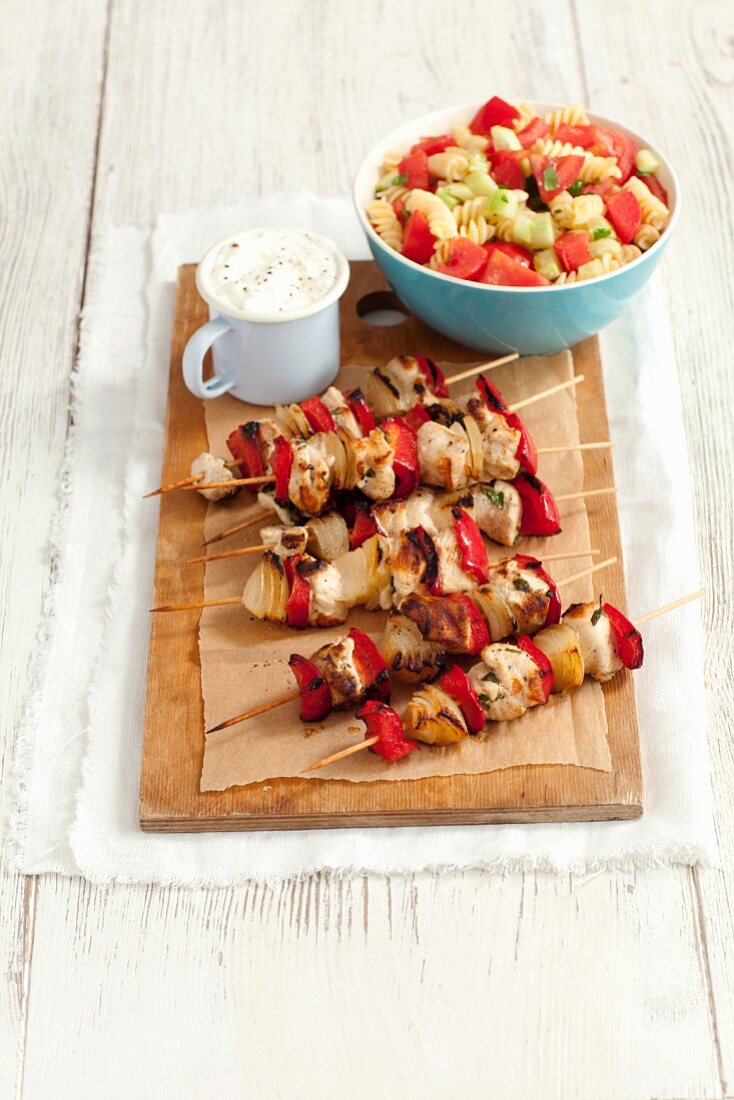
519, 593
593, 639
443, 444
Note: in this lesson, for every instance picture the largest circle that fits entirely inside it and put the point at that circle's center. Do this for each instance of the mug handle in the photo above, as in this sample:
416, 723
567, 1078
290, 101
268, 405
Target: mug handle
193, 360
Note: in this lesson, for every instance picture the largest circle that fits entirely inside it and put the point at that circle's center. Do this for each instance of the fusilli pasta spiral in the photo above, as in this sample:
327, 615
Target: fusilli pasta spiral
386, 224
471, 220
646, 236
451, 164
440, 219
599, 168
573, 115
549, 147
465, 139
654, 212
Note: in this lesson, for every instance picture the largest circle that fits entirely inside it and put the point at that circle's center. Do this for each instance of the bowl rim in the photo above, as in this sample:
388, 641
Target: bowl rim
469, 110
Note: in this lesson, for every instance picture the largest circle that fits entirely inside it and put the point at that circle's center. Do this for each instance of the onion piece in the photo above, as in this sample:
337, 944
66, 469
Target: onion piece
266, 591
408, 656
499, 620
328, 536
561, 646
476, 447
433, 717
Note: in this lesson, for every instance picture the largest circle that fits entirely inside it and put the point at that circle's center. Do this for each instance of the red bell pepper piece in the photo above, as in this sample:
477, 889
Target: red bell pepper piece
502, 271
281, 462
298, 604
553, 615
418, 240
416, 417
581, 136
415, 168
623, 211
317, 414
432, 572
555, 174
472, 548
431, 145
655, 186
572, 250
363, 528
433, 375
371, 666
495, 112
539, 509
360, 410
243, 446
315, 694
405, 459
515, 251
506, 170
527, 645
526, 453
535, 129
456, 682
465, 260
383, 722
627, 637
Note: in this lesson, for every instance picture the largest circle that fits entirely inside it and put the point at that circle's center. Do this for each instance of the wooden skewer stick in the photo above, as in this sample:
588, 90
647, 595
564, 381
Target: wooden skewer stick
192, 479
604, 446
482, 367
238, 527
234, 482
587, 493
262, 709
547, 393
587, 572
571, 554
196, 604
240, 553
340, 755
669, 607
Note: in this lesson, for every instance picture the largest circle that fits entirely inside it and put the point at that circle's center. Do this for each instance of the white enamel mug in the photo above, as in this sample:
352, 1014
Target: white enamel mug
266, 358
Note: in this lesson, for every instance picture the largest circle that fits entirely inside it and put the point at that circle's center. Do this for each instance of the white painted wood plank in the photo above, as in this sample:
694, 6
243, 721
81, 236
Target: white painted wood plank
419, 988
685, 97
50, 74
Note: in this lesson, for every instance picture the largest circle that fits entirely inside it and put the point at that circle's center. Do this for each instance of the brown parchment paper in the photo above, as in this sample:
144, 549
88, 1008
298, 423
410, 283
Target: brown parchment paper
243, 661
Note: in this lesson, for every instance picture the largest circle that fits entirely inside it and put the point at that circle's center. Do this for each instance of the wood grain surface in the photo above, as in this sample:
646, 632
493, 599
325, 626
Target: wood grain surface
115, 111
174, 719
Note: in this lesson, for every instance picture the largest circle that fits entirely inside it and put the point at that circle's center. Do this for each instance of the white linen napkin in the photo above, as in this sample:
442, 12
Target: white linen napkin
78, 753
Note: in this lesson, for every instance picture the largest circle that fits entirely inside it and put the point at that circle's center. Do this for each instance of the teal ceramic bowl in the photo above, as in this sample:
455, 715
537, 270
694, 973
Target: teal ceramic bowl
530, 320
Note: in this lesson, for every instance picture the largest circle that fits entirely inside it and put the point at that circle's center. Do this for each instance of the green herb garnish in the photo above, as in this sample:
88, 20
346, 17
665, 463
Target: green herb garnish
496, 496
400, 180
491, 677
370, 473
484, 699
550, 178
521, 585
601, 232
597, 614
575, 188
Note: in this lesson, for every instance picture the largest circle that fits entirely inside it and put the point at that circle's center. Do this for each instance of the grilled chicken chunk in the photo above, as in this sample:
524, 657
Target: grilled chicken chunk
433, 717
288, 541
373, 472
343, 416
497, 511
440, 620
393, 517
453, 577
595, 638
212, 469
409, 657
524, 594
507, 682
327, 606
443, 455
408, 566
336, 664
500, 441
308, 487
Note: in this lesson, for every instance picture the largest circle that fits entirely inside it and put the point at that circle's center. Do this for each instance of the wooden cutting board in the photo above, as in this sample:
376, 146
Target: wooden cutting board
170, 800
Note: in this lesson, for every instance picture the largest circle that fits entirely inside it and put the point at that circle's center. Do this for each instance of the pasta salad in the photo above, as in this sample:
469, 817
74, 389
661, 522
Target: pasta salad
518, 199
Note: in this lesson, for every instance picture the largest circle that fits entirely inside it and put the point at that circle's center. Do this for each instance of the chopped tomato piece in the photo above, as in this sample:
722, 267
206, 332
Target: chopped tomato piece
418, 241
623, 211
431, 145
514, 251
575, 135
415, 168
572, 250
399, 208
405, 456
627, 637
603, 187
466, 260
456, 682
527, 645
315, 694
506, 170
654, 185
317, 414
554, 174
503, 271
384, 723
612, 143
495, 112
535, 129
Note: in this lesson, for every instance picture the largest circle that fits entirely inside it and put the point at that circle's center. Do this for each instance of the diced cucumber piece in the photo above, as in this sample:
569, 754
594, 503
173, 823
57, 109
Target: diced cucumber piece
479, 182
542, 233
522, 228
504, 203
503, 138
443, 194
546, 263
645, 161
459, 191
386, 181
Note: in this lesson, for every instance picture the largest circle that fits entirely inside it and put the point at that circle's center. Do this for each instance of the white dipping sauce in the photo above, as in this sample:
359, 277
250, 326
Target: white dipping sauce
271, 271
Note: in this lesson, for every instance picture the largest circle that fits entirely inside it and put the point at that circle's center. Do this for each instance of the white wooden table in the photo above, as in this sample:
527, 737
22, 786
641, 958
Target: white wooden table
470, 985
